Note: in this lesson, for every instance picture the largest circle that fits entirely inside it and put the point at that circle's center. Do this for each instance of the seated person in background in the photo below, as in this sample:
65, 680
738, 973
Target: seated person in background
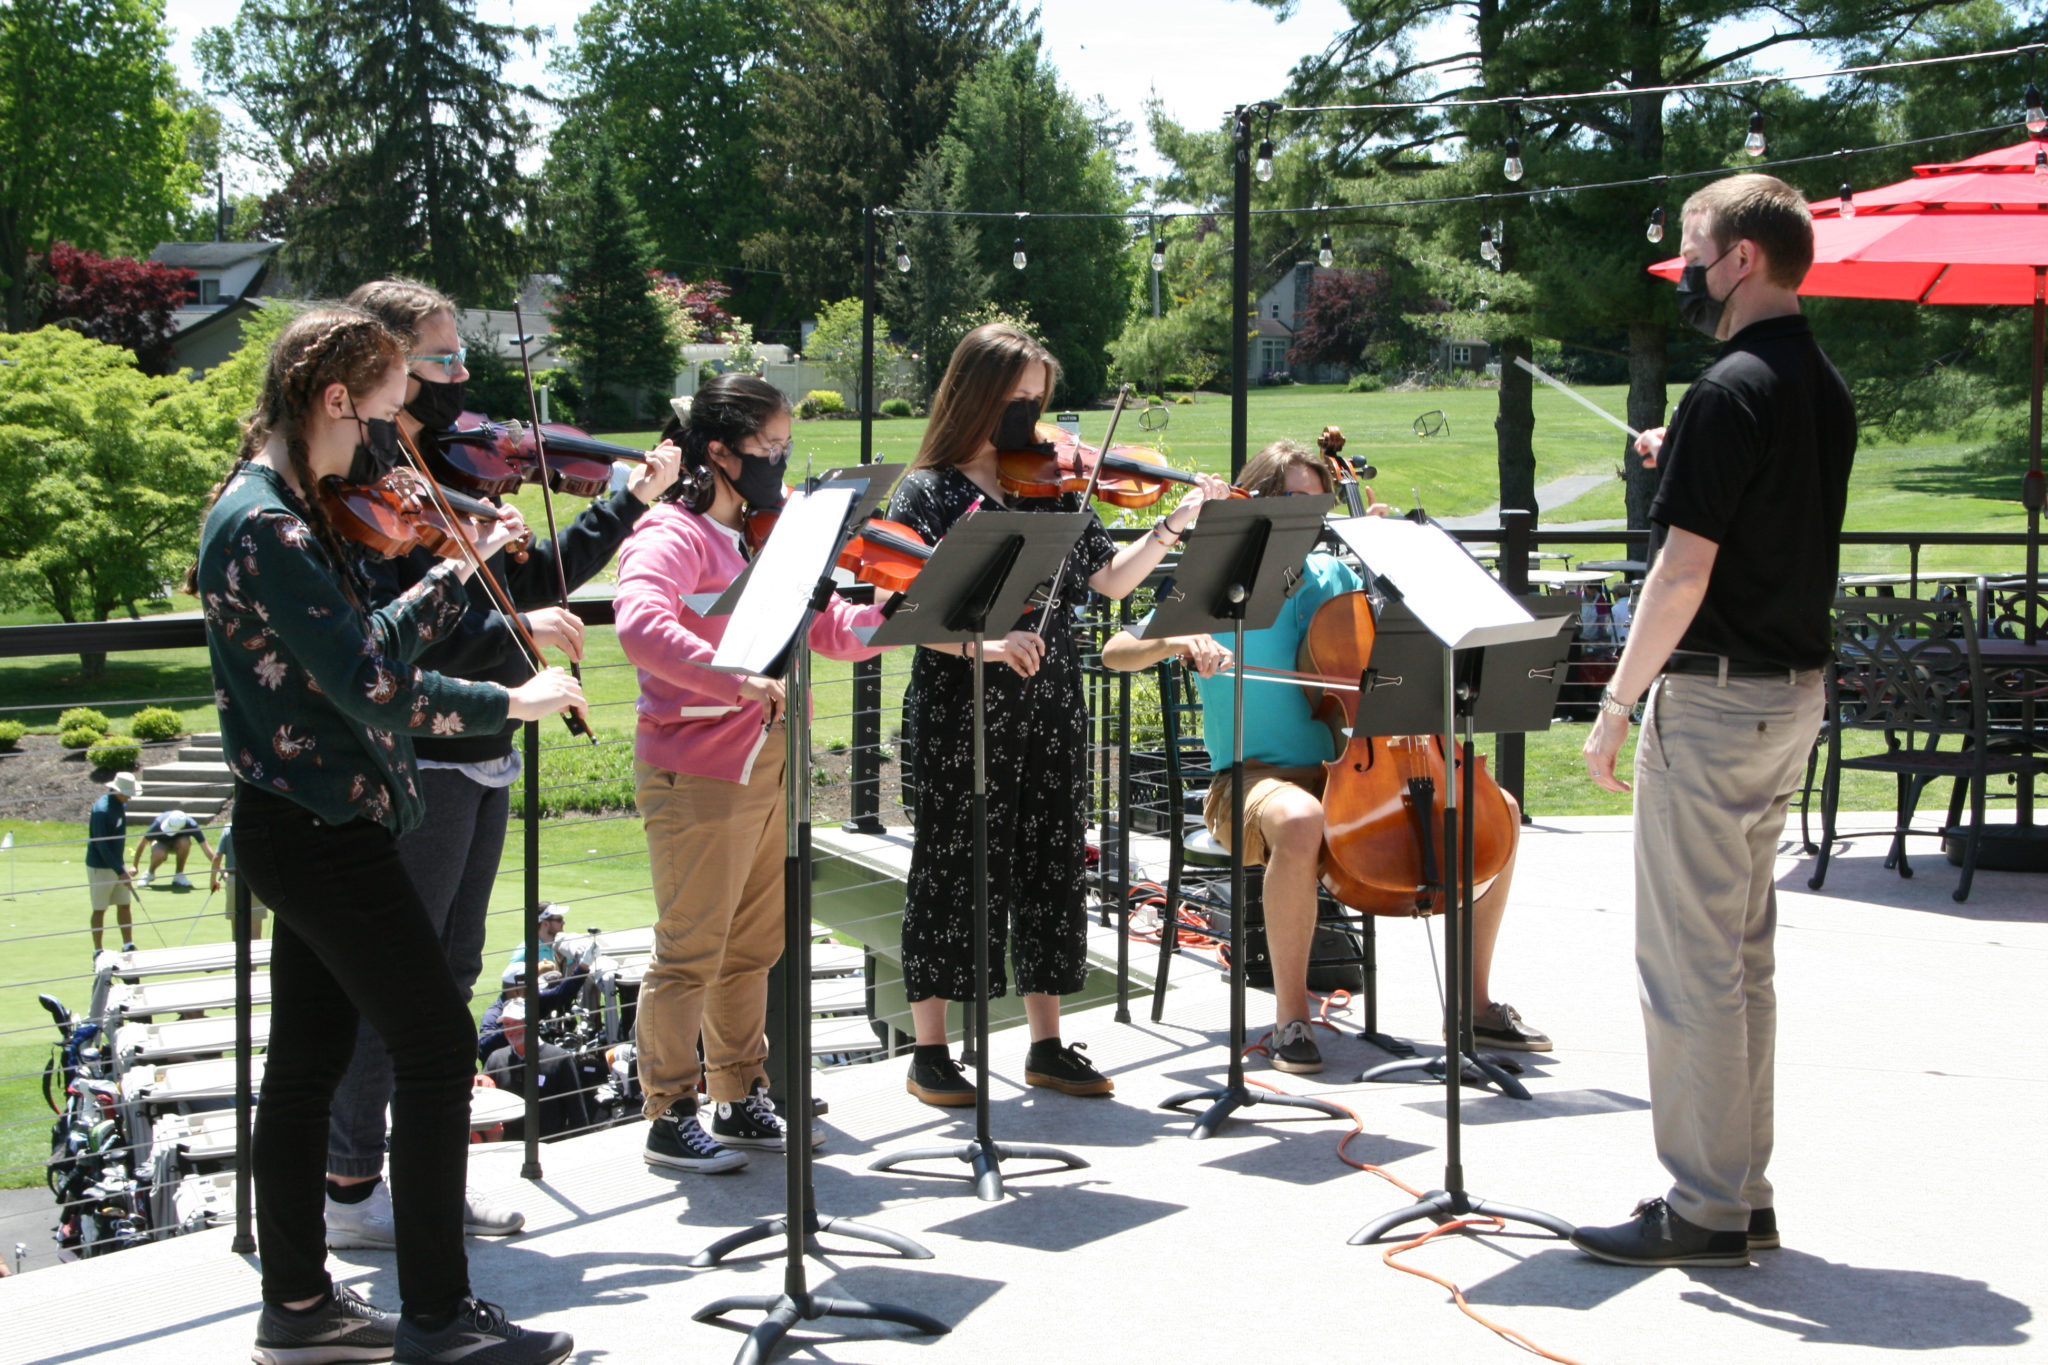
552, 917
1285, 748
563, 1105
171, 835
557, 994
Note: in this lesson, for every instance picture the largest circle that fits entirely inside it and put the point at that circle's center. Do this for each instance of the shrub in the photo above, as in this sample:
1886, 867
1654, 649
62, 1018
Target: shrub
820, 402
114, 753
80, 737
897, 407
1184, 399
1365, 381
153, 724
11, 732
85, 716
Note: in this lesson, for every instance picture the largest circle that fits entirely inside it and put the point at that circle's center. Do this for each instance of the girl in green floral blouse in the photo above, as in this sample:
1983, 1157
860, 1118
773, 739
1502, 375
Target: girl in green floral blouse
319, 703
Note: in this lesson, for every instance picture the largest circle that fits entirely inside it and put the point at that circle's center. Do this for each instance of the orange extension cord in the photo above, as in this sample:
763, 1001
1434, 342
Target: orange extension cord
1194, 935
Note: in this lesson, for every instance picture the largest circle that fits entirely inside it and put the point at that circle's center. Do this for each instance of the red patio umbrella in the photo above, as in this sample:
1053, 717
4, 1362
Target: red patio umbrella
1958, 232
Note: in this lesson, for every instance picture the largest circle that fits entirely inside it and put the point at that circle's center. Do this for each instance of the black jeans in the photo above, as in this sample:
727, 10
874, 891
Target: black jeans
353, 942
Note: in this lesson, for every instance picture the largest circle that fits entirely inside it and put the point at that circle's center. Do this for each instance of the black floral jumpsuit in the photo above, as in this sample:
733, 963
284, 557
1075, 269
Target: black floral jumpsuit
1037, 784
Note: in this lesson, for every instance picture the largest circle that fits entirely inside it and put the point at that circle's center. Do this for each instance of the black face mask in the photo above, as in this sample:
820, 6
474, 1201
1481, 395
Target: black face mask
377, 454
1018, 429
438, 405
1696, 303
760, 480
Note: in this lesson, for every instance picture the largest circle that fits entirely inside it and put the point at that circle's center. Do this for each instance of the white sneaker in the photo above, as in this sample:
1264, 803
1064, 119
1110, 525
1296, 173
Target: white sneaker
482, 1218
181, 882
366, 1225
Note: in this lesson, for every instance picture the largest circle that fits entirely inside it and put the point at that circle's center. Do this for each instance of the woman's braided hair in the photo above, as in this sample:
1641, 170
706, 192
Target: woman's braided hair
729, 409
322, 346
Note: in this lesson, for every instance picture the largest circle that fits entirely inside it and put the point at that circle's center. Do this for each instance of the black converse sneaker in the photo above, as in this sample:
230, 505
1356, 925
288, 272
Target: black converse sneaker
1064, 1069
753, 1122
939, 1082
341, 1327
1293, 1048
678, 1142
479, 1334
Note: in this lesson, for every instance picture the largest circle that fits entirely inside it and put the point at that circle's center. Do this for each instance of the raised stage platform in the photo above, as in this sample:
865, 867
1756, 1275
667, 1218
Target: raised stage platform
1911, 1109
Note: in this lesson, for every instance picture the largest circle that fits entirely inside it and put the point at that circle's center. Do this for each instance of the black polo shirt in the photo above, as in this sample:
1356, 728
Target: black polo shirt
1757, 460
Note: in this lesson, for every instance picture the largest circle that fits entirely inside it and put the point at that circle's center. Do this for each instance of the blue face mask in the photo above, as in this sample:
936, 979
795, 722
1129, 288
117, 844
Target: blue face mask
1696, 302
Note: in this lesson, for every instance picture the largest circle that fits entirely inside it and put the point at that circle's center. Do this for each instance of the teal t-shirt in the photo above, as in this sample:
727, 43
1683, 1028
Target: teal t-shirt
1278, 728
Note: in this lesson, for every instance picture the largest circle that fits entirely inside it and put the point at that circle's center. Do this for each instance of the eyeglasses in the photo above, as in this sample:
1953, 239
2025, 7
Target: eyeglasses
775, 454
454, 358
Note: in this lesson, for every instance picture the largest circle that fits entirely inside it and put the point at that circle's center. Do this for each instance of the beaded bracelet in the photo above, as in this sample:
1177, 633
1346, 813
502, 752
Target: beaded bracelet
1169, 539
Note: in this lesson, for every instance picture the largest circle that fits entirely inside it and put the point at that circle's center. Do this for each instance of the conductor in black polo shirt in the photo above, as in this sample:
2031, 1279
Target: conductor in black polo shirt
1727, 644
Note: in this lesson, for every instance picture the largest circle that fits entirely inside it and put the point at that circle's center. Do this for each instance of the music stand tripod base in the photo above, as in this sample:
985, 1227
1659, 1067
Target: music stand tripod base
1441, 1206
1480, 1069
1228, 1099
770, 1228
785, 1311
984, 1157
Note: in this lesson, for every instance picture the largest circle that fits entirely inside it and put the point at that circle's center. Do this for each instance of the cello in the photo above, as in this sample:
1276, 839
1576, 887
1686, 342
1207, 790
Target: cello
1384, 797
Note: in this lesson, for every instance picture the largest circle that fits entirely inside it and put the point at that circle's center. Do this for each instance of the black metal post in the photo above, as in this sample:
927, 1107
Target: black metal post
245, 1100
867, 748
1510, 751
1241, 288
530, 815
867, 336
1123, 834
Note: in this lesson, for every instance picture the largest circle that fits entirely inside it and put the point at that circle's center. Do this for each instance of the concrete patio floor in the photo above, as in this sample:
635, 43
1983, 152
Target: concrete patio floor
1911, 1108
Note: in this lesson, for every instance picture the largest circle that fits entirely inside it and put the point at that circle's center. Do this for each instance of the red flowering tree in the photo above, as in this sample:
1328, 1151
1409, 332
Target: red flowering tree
694, 309
118, 300
1353, 318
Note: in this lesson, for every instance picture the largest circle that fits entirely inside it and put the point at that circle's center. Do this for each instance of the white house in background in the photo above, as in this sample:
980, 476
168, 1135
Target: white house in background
232, 278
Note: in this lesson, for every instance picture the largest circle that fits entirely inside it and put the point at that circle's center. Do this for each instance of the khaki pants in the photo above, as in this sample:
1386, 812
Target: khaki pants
1716, 766
717, 851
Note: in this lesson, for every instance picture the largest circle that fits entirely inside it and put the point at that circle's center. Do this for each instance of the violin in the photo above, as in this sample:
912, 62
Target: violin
1384, 798
492, 459
887, 554
1059, 463
395, 515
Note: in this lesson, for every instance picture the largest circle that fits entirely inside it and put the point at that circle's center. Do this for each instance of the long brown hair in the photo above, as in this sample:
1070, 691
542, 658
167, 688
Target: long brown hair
323, 346
1265, 474
980, 378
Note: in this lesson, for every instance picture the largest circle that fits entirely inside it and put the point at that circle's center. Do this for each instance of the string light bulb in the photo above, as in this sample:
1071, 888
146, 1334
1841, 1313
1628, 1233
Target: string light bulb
1655, 231
1487, 250
2041, 164
1158, 255
1326, 257
1017, 257
1848, 200
2037, 117
902, 256
1513, 169
1263, 167
1754, 143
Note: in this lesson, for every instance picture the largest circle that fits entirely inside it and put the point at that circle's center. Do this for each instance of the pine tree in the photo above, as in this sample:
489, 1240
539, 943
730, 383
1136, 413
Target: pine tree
606, 315
945, 280
392, 126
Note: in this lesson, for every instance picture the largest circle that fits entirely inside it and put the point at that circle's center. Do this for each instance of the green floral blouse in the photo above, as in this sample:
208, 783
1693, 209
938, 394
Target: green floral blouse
319, 701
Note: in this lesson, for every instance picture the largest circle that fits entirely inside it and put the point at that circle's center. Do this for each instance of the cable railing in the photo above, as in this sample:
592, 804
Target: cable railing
151, 1079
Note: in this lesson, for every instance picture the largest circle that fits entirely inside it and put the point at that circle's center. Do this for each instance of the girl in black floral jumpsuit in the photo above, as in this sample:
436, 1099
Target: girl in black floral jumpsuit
1036, 738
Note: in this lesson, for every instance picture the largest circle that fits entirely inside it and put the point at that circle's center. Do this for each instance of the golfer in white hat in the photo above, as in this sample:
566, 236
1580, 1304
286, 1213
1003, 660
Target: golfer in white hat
105, 870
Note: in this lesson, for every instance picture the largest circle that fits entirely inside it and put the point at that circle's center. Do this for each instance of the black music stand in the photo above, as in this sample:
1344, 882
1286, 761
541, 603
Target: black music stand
986, 569
871, 485
1243, 561
1486, 651
794, 586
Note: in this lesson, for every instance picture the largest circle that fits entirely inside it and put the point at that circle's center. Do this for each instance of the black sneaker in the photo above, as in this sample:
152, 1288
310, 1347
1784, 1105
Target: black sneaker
1656, 1236
479, 1335
1500, 1026
1293, 1048
753, 1122
940, 1083
1763, 1230
344, 1327
1064, 1069
678, 1142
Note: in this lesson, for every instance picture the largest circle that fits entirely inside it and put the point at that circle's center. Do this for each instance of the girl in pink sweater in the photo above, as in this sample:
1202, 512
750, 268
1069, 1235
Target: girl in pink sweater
708, 779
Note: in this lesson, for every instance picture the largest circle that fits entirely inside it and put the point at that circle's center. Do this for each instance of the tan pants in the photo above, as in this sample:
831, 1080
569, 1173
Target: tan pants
1716, 767
717, 849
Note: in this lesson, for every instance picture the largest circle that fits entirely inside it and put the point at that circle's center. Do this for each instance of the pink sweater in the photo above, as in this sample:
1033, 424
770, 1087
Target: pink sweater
691, 717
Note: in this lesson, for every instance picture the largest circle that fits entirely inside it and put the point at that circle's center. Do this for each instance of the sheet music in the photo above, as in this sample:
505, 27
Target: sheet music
1455, 598
784, 575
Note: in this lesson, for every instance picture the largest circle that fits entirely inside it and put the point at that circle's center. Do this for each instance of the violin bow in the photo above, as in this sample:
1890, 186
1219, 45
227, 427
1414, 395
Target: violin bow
1059, 578
547, 494
496, 590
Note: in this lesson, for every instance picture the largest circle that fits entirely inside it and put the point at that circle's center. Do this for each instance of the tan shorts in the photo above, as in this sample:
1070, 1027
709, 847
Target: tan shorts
108, 888
1266, 781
